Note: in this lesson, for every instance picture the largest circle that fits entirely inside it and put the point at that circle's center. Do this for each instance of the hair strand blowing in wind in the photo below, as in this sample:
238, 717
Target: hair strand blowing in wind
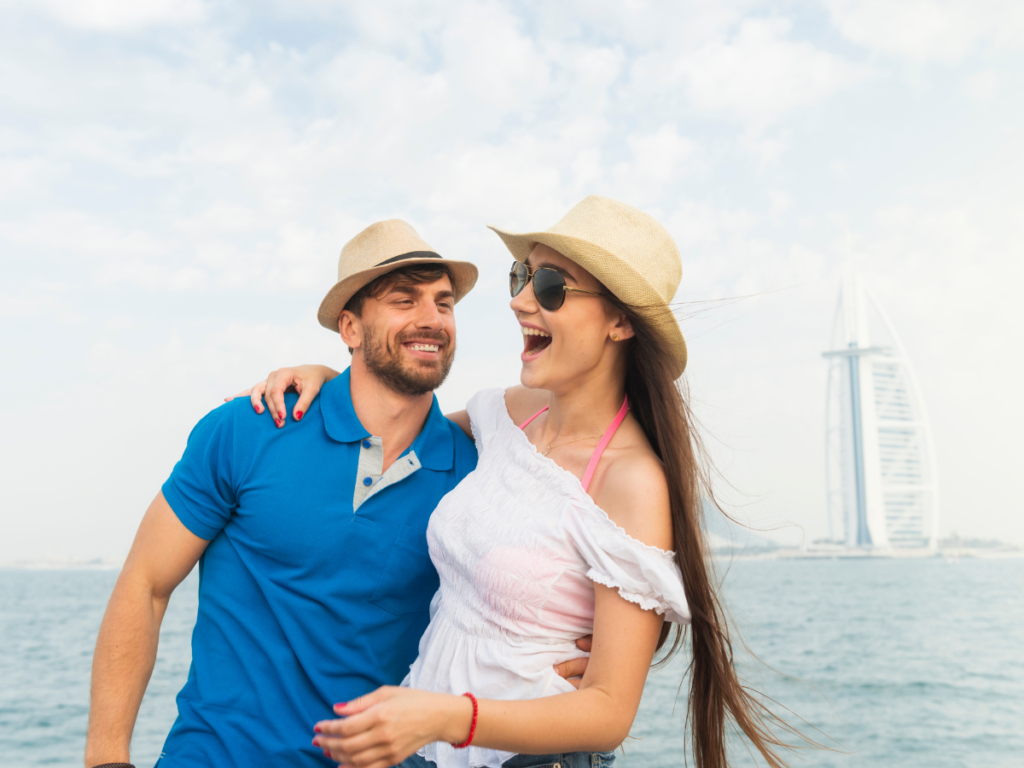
716, 691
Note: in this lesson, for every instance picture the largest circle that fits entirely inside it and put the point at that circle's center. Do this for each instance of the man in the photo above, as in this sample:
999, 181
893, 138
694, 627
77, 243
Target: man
315, 581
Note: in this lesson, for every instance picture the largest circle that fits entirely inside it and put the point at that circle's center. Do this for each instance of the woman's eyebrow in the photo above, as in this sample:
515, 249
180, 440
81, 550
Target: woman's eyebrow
555, 268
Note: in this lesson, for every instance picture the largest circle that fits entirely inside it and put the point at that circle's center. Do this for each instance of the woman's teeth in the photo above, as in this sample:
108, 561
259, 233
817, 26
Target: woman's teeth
424, 347
535, 340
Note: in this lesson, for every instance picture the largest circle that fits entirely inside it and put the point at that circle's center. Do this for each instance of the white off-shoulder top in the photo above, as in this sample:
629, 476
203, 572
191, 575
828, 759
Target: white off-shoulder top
518, 545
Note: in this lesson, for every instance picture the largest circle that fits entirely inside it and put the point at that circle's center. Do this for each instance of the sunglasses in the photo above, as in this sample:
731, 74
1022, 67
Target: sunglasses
548, 285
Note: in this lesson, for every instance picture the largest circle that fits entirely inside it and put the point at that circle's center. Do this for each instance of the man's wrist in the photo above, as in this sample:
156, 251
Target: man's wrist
94, 758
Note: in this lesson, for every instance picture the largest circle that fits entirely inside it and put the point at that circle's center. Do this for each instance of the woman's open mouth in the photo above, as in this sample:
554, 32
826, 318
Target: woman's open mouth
535, 341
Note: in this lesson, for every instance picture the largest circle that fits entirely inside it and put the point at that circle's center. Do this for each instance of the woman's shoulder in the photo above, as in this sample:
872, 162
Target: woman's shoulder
634, 494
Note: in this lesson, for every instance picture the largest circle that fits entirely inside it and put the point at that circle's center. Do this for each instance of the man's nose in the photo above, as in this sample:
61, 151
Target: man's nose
430, 317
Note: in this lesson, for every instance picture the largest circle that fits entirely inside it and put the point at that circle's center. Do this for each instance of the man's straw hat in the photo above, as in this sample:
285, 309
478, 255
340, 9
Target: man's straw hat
627, 250
377, 250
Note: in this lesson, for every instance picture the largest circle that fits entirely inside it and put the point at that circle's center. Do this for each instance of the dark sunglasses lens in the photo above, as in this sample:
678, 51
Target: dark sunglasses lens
517, 278
549, 288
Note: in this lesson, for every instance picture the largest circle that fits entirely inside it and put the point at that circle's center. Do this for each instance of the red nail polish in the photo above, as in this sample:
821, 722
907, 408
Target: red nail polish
316, 742
340, 704
280, 415
298, 415
316, 729
326, 753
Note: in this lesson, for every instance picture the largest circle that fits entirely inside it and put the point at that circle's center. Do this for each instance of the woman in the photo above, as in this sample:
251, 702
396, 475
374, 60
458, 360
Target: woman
582, 516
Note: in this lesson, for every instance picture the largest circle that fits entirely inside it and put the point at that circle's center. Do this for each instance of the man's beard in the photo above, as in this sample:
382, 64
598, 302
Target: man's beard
414, 378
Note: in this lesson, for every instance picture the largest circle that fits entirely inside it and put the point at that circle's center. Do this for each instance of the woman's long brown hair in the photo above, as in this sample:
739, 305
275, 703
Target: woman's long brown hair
717, 694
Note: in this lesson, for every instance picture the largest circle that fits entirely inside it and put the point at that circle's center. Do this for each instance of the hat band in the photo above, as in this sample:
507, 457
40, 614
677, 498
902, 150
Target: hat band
410, 255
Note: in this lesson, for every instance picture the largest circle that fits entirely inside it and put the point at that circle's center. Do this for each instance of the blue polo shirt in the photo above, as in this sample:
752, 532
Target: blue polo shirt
307, 597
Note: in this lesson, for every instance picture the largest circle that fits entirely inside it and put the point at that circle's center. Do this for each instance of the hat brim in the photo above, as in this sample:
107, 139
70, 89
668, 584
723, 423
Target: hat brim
464, 276
612, 272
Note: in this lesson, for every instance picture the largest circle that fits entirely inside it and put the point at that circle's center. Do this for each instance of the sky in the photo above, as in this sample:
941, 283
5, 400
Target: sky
177, 178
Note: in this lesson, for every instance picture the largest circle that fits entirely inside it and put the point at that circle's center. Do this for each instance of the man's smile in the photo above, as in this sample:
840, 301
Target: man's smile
425, 349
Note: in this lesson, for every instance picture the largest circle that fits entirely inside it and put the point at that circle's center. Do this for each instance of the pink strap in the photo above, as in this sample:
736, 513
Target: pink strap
607, 438
526, 423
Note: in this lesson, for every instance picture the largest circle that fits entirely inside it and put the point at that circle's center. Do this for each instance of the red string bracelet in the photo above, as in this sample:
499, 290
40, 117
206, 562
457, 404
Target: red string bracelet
472, 728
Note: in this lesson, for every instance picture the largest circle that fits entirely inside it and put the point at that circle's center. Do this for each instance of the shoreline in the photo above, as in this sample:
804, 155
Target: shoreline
783, 553
948, 555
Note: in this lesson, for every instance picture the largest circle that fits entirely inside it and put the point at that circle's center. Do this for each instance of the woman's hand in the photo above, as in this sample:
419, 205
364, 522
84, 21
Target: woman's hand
307, 380
383, 728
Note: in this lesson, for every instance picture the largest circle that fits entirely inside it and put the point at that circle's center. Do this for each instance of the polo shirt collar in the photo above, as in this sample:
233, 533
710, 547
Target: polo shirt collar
434, 445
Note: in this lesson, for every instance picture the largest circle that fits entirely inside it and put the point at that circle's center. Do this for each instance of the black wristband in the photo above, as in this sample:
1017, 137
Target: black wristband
114, 765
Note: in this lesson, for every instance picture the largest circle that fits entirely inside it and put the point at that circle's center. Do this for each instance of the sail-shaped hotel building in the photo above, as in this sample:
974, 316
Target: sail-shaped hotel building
879, 460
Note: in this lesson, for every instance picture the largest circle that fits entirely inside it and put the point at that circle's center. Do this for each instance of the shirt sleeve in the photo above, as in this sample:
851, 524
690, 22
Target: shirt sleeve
485, 416
645, 575
202, 489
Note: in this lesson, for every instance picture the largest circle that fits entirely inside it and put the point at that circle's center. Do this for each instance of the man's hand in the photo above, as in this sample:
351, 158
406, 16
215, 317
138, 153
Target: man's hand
574, 669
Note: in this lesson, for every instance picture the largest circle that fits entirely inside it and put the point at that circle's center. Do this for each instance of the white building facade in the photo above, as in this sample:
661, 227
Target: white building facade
879, 458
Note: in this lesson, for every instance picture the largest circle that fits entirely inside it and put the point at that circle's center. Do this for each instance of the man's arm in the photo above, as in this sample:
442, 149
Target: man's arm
163, 553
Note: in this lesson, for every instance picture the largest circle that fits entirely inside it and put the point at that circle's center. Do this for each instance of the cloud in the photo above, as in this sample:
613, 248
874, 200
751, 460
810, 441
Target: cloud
121, 15
760, 74
922, 31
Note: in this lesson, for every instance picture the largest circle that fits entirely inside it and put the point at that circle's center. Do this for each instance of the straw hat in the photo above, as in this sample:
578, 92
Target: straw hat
627, 250
377, 250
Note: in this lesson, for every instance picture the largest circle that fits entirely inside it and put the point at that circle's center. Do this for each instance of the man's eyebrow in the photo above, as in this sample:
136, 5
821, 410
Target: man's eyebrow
410, 288
444, 295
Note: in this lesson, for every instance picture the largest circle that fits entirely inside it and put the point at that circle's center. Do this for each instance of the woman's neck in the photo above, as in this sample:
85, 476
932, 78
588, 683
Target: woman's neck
586, 407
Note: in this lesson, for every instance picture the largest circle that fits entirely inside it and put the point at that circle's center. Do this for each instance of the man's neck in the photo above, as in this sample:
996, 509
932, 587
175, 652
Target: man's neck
395, 418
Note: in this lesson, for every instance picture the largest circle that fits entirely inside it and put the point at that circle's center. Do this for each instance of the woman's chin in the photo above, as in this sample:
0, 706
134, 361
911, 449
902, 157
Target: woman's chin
530, 377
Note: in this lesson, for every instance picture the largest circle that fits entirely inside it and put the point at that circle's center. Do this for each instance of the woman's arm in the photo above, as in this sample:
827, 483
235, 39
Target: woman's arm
307, 380
383, 728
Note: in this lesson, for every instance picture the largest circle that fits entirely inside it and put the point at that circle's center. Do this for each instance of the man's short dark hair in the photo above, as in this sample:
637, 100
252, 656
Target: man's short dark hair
414, 274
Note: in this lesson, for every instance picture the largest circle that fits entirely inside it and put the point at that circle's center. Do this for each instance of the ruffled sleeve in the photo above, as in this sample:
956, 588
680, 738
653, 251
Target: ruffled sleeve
643, 574
486, 411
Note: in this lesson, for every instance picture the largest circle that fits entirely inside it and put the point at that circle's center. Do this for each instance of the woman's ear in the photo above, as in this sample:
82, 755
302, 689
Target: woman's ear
621, 329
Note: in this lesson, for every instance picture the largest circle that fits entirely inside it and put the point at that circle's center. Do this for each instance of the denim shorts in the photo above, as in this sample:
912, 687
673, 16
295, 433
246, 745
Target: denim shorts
564, 760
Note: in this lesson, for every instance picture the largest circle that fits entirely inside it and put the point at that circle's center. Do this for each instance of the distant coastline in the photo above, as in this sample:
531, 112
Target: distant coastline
57, 564
952, 547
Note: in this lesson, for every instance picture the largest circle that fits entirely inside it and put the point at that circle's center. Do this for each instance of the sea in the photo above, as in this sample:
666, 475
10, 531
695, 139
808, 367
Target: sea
886, 663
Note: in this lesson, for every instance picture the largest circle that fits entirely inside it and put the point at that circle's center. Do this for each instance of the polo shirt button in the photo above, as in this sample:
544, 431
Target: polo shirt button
367, 481
367, 444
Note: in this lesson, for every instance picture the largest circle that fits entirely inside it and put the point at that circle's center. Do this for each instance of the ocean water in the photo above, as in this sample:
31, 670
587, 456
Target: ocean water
897, 663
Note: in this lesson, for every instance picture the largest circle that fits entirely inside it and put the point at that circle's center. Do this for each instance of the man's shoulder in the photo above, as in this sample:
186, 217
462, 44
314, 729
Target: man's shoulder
464, 449
239, 417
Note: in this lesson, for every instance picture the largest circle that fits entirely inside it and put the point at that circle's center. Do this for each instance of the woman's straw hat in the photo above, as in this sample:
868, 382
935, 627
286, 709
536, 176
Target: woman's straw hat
377, 250
627, 250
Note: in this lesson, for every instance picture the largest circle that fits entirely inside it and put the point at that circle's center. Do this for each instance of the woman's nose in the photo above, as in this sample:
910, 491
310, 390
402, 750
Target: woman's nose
524, 301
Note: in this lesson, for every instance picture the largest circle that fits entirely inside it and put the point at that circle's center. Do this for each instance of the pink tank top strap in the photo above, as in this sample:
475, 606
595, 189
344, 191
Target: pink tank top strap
526, 423
605, 439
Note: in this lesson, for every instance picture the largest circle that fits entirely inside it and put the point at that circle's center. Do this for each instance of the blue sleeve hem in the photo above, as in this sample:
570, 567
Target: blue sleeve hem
177, 504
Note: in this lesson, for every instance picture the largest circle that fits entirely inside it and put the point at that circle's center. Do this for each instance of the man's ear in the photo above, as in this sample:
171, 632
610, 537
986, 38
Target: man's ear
351, 329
